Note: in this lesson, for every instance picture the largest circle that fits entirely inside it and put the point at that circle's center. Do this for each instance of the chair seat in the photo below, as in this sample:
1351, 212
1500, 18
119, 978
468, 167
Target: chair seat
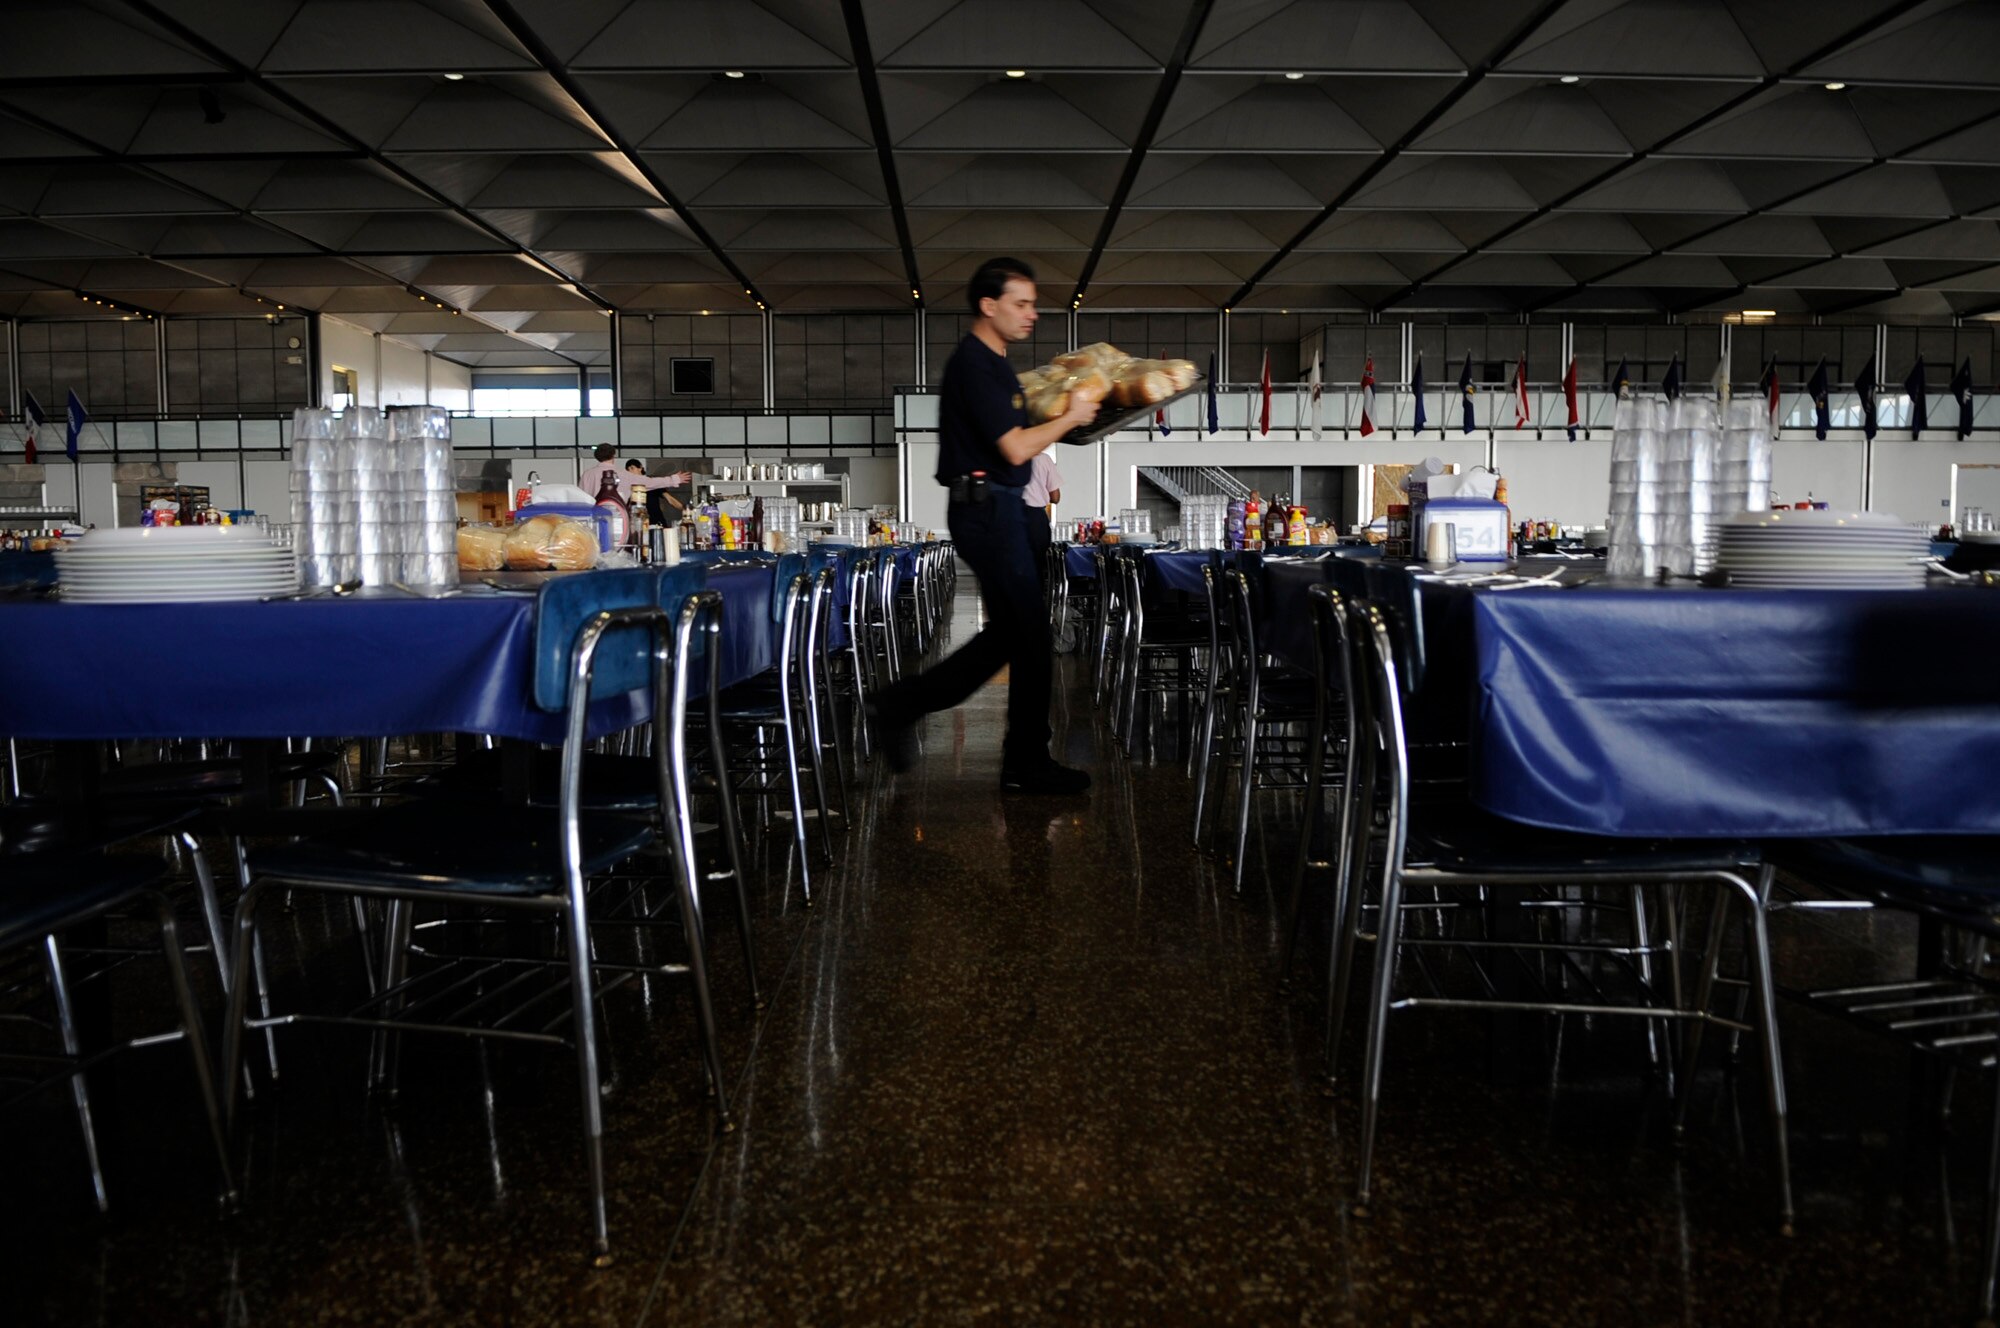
610, 783
480, 848
75, 827
216, 778
1951, 871
1457, 837
46, 892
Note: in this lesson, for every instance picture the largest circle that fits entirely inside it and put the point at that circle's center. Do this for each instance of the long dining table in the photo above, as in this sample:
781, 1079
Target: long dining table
1683, 711
366, 665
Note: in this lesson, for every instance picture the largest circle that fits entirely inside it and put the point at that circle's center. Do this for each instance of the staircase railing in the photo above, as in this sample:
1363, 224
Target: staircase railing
1182, 482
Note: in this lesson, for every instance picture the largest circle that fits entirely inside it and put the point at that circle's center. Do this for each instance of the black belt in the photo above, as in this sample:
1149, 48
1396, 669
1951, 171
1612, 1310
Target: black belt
978, 490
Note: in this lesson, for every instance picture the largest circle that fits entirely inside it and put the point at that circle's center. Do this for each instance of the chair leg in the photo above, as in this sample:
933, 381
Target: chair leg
816, 751
1380, 989
1205, 757
73, 1048
1704, 994
197, 1043
1349, 901
1989, 1282
1314, 818
732, 833
704, 1004
1757, 937
239, 1000
1658, 1054
798, 802
583, 1014
1245, 786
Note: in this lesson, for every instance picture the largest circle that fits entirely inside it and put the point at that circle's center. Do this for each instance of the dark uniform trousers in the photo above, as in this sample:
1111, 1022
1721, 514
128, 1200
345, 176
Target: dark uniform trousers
1039, 538
992, 538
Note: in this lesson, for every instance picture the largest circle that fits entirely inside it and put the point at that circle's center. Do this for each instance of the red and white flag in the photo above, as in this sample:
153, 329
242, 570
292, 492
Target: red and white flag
1521, 393
1264, 415
1367, 395
1569, 395
1771, 395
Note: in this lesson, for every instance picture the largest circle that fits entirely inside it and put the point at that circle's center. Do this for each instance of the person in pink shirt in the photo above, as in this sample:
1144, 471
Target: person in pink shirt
1043, 490
592, 478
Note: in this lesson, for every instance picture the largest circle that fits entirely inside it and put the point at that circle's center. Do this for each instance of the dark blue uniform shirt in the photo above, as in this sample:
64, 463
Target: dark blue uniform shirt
979, 401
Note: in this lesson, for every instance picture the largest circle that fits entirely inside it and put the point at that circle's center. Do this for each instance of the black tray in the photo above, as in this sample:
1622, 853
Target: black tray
1110, 419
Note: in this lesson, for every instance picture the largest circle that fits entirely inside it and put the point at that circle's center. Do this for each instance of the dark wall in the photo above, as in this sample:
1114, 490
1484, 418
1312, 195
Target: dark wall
842, 361
649, 341
230, 366
110, 364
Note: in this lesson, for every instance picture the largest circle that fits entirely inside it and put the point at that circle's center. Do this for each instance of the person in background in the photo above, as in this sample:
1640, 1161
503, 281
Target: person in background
1043, 492
984, 446
592, 478
657, 496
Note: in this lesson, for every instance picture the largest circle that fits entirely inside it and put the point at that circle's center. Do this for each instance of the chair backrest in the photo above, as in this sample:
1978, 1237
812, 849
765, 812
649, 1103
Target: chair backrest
624, 658
1243, 625
1395, 590
1378, 696
677, 583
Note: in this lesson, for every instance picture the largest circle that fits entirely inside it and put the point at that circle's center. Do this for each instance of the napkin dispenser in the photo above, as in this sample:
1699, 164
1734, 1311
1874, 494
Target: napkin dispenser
1480, 527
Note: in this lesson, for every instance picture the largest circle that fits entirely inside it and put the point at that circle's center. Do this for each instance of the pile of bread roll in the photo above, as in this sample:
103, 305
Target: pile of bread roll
1098, 372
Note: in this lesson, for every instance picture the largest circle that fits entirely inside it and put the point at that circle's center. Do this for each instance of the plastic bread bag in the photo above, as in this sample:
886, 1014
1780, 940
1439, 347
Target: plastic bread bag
1141, 383
1097, 355
481, 548
1182, 372
562, 543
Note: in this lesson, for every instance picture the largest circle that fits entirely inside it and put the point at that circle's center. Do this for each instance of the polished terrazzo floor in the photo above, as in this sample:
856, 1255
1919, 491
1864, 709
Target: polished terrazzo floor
1023, 1062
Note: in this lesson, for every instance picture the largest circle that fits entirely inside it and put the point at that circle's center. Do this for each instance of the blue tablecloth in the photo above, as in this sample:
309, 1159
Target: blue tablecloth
359, 667
18, 567
1738, 713
1080, 560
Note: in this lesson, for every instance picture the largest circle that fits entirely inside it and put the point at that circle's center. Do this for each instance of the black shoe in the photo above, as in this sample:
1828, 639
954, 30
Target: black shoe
897, 738
1045, 778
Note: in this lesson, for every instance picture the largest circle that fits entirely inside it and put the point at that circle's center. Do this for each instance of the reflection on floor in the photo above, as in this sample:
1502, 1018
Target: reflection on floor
1024, 1062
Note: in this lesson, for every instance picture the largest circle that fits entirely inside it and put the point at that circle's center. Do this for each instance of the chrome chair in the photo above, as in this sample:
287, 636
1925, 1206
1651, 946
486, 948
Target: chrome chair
47, 893
1256, 721
1468, 850
598, 635
1158, 661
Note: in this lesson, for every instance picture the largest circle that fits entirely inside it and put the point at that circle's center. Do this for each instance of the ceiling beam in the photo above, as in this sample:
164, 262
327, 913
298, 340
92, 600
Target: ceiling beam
216, 54
1695, 125
1508, 45
878, 126
530, 39
1149, 128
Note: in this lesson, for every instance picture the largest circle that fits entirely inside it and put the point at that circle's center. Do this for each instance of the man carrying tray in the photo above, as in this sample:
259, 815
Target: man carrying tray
985, 449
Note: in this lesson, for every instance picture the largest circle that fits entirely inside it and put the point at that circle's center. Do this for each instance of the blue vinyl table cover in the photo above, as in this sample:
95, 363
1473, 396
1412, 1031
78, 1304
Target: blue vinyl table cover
361, 667
1650, 712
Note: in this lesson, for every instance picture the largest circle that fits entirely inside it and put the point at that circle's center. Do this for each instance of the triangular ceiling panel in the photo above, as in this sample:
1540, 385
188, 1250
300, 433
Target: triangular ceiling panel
998, 117
1376, 35
732, 34
1577, 232
1273, 117
1008, 182
1685, 37
1665, 186
1770, 234
325, 36
1885, 191
754, 118
1442, 182
1025, 34
1505, 116
1247, 182
1796, 122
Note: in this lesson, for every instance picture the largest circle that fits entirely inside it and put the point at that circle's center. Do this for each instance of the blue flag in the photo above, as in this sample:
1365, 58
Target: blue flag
1621, 382
77, 419
1961, 392
1213, 422
1920, 409
1816, 389
1672, 385
1417, 392
1465, 392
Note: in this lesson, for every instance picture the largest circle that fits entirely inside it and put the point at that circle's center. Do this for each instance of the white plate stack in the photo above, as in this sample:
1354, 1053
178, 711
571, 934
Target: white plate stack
174, 565
1821, 551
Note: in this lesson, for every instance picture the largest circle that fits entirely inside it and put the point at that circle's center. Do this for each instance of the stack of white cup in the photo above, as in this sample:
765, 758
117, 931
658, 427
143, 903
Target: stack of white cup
321, 503
422, 440
1694, 448
1743, 479
1634, 523
1203, 516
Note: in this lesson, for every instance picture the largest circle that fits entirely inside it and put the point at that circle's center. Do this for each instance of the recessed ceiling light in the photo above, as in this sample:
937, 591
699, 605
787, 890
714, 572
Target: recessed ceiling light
1760, 313
704, 313
1295, 77
1571, 78
454, 78
1017, 73
732, 73
1835, 87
